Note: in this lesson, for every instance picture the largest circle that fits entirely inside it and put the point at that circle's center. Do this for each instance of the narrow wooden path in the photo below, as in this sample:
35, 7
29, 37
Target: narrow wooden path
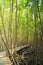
3, 59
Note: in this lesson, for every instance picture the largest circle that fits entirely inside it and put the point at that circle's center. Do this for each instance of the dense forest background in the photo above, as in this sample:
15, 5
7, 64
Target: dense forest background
22, 20
21, 23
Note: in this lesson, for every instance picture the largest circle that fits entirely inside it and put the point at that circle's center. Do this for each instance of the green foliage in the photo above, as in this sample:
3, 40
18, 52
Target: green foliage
25, 10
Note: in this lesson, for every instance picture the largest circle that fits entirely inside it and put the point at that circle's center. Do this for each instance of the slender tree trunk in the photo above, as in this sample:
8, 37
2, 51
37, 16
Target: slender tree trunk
36, 32
27, 30
15, 43
41, 28
10, 24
